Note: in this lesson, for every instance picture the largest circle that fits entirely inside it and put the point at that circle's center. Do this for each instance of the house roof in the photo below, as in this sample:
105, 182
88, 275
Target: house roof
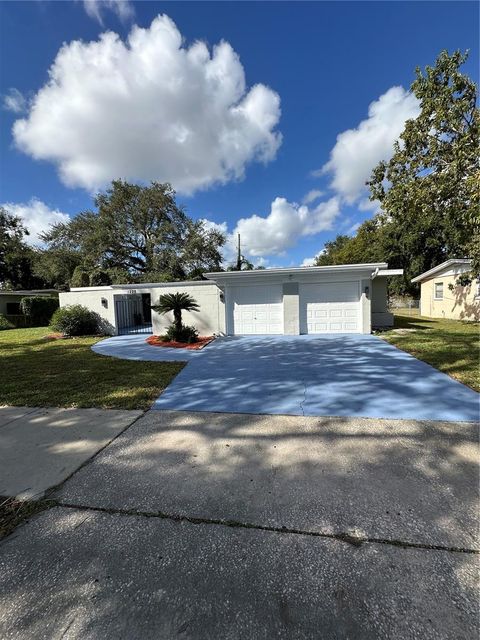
441, 267
28, 292
336, 268
143, 285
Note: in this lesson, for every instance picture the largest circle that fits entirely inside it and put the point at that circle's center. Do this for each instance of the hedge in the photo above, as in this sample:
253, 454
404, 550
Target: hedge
38, 309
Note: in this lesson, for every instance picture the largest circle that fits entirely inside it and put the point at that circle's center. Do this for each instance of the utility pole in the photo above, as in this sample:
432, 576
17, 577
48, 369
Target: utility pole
239, 254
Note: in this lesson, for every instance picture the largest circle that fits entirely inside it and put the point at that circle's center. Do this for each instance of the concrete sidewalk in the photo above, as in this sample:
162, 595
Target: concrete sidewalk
39, 448
201, 525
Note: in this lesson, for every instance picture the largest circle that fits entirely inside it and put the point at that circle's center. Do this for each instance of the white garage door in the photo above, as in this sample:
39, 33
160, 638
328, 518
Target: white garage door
332, 307
257, 309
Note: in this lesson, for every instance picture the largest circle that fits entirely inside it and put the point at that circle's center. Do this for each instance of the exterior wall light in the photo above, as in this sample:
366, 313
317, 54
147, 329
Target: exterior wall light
105, 303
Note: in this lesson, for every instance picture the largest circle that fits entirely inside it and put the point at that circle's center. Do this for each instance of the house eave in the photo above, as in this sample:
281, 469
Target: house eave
253, 274
448, 263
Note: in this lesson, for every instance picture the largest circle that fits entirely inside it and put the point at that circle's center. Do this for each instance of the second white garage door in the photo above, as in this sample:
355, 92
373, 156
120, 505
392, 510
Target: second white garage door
332, 307
257, 309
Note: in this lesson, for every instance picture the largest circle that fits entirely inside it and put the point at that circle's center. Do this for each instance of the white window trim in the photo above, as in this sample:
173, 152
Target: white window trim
435, 291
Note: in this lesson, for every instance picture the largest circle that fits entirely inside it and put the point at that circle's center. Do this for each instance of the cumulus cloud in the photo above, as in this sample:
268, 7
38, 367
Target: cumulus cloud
310, 262
357, 151
286, 223
147, 109
311, 196
15, 101
122, 8
36, 216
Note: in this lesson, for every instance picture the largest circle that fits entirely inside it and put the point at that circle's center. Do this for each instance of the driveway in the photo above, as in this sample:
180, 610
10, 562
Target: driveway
324, 375
206, 525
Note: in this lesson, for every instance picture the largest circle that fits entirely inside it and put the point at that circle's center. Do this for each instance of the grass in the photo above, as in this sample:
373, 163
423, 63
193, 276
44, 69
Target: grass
67, 373
452, 346
14, 512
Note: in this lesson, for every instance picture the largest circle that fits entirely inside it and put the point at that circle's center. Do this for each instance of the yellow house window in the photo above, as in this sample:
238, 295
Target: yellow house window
438, 291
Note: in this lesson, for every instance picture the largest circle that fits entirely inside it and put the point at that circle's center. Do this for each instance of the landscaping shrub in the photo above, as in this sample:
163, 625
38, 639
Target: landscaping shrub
76, 320
38, 309
182, 334
4, 323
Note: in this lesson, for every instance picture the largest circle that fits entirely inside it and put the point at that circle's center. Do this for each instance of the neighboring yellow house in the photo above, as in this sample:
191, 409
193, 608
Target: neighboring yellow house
439, 300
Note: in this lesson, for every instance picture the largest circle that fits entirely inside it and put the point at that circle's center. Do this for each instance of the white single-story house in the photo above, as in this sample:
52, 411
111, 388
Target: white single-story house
10, 300
333, 299
442, 297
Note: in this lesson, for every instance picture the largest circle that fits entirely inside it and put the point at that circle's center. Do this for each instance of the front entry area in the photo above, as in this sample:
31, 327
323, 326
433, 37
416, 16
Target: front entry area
332, 307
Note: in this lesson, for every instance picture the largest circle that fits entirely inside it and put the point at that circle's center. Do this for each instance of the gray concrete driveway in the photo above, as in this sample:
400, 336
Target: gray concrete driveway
198, 525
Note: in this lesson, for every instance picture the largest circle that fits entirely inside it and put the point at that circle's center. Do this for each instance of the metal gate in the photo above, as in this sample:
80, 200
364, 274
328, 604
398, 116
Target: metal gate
133, 314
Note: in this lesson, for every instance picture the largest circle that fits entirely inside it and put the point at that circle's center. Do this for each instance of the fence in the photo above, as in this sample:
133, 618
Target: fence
133, 314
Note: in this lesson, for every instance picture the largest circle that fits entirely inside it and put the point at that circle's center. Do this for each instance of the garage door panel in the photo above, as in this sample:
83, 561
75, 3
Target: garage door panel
330, 307
257, 309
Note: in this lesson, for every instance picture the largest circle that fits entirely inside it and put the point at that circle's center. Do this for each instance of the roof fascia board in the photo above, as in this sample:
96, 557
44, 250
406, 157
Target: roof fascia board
440, 267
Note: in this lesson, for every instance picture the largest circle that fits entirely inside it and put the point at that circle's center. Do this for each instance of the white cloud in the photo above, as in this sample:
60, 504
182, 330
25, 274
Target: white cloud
310, 262
365, 204
357, 151
286, 223
311, 196
15, 101
149, 109
36, 216
354, 228
122, 8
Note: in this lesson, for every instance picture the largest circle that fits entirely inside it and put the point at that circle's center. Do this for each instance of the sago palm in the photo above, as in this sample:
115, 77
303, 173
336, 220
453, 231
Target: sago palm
176, 302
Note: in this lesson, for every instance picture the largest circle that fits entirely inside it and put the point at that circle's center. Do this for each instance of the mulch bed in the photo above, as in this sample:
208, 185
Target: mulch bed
156, 341
54, 336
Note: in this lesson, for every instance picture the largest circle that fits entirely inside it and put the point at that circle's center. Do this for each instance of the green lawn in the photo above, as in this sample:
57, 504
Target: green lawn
451, 346
67, 373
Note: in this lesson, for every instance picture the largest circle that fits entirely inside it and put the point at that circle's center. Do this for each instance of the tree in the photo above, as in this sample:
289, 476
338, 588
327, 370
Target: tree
55, 266
139, 230
16, 257
80, 277
176, 302
428, 191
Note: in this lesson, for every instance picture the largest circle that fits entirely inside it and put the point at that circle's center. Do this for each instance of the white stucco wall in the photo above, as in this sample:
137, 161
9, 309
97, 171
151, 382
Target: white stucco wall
92, 299
209, 320
381, 317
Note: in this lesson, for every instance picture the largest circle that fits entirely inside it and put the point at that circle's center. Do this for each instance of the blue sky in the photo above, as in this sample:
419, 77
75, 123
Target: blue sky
240, 156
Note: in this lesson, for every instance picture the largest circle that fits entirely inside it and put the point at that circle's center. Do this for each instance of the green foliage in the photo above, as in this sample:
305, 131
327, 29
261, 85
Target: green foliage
100, 277
4, 323
16, 257
176, 302
55, 266
428, 191
183, 333
140, 231
80, 277
76, 320
38, 309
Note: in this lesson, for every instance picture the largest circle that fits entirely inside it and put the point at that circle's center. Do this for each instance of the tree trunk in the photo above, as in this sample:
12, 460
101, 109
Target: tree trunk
177, 315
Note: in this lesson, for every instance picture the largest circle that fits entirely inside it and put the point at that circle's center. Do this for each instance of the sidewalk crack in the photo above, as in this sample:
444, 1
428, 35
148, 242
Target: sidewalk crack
348, 538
